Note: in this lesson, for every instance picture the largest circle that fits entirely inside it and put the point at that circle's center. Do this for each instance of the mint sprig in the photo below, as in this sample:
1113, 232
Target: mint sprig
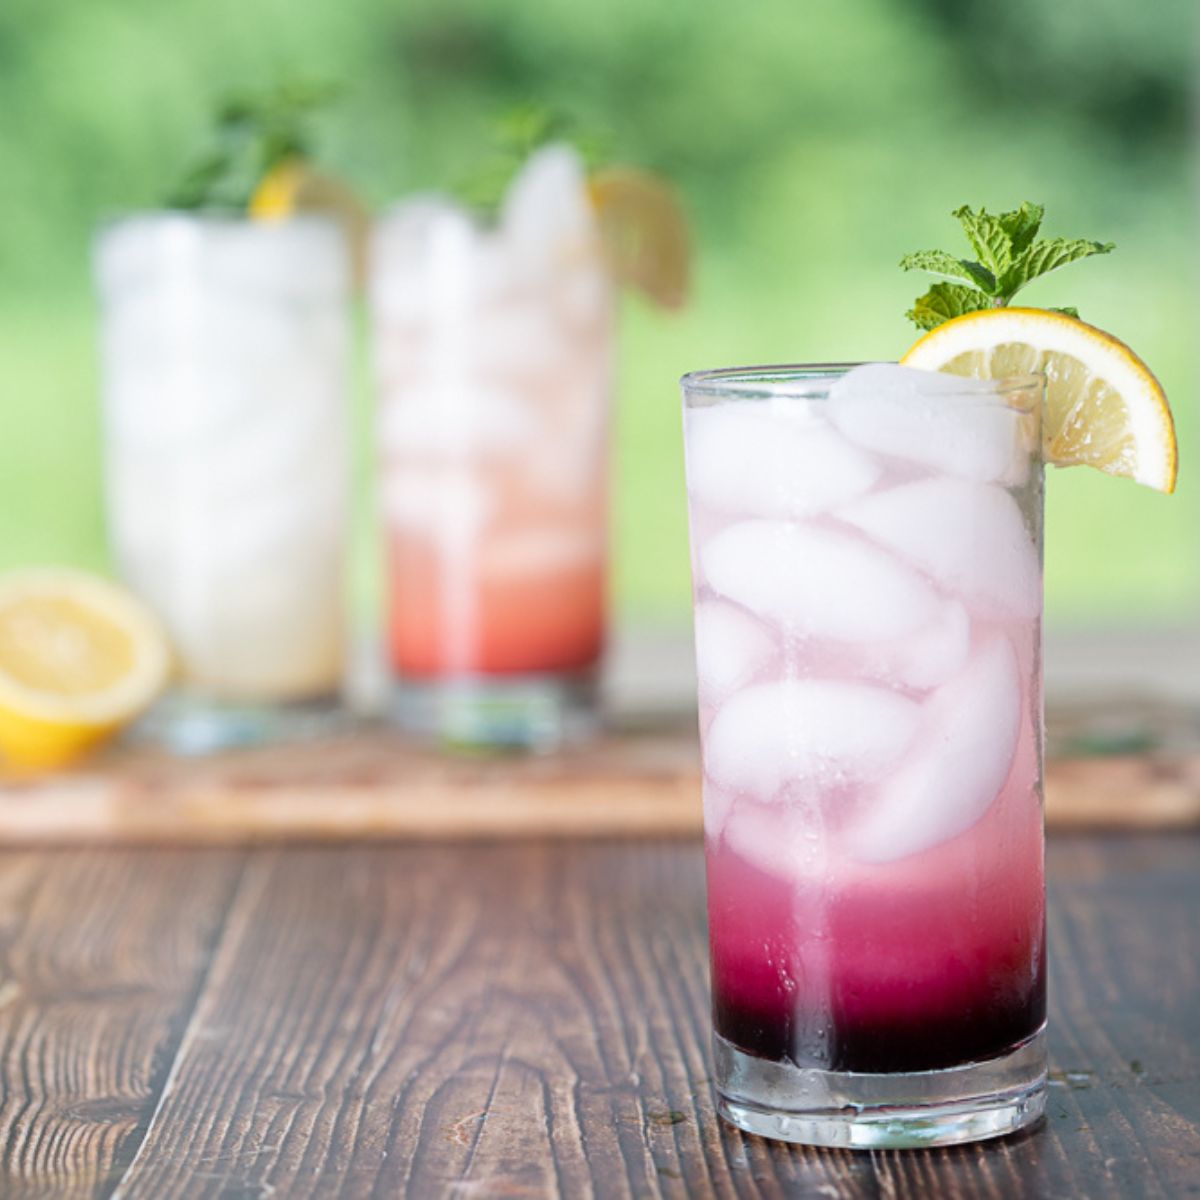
1008, 256
251, 135
516, 134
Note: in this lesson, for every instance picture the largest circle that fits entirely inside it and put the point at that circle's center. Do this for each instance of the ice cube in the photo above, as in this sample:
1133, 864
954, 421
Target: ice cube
816, 582
788, 841
434, 417
970, 537
435, 502
771, 460
717, 805
951, 424
961, 757
585, 295
547, 217
305, 257
773, 734
731, 648
525, 340
930, 656
401, 263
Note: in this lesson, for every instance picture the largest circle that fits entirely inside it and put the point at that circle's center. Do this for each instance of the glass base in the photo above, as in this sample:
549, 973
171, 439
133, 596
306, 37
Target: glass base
872, 1112
193, 725
531, 712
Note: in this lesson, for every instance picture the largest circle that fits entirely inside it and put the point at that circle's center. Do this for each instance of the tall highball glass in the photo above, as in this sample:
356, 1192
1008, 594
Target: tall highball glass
866, 548
493, 359
225, 354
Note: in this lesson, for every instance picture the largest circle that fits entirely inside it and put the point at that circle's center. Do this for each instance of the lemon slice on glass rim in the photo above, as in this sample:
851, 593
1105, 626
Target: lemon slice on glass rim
295, 187
644, 231
79, 658
1104, 407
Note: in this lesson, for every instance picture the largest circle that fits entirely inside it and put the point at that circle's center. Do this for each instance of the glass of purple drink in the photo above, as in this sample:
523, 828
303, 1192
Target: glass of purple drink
866, 551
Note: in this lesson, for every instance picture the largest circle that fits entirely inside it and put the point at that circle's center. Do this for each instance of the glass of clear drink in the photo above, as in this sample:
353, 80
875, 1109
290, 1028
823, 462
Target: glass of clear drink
225, 358
493, 347
866, 549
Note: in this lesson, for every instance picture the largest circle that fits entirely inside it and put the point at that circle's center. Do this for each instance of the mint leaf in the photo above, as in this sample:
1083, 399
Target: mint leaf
1010, 255
1022, 225
1046, 255
944, 301
251, 135
516, 134
1067, 311
988, 237
938, 262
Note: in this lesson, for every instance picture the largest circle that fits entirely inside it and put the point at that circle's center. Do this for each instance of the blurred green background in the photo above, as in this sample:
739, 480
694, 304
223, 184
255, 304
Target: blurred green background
814, 144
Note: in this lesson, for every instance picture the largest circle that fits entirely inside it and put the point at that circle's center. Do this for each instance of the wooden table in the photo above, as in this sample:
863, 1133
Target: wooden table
517, 1019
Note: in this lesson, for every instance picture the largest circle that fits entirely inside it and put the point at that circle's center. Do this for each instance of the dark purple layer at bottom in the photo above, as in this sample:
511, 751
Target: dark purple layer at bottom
880, 1047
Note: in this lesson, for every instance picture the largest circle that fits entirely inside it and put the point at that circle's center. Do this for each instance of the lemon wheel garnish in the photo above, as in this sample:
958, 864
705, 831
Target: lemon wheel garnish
645, 232
293, 187
1104, 408
79, 658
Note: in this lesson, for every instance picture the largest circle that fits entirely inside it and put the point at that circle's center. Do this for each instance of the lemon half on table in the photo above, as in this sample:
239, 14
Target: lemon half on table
79, 658
1104, 407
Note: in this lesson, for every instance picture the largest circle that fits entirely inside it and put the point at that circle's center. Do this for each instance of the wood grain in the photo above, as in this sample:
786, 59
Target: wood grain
530, 1020
102, 957
372, 784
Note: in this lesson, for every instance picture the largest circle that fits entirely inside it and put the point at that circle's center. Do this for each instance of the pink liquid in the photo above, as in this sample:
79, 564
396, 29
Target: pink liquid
931, 961
876, 893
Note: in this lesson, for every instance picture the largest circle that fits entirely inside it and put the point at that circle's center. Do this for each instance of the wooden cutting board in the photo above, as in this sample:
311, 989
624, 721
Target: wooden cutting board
371, 783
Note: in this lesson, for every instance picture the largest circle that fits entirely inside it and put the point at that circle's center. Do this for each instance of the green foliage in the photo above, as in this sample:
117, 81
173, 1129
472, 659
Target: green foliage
944, 301
1010, 256
520, 131
252, 134
810, 154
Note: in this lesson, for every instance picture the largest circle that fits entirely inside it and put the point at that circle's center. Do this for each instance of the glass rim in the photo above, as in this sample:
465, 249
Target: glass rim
810, 381
210, 218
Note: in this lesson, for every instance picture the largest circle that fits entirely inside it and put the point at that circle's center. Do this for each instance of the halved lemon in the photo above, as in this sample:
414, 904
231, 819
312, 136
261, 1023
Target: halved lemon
79, 658
645, 232
1104, 407
295, 187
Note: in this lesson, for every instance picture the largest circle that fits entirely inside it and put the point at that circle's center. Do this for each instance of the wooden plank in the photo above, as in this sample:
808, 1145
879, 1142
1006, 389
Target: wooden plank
103, 954
530, 1019
372, 784
369, 783
395, 1022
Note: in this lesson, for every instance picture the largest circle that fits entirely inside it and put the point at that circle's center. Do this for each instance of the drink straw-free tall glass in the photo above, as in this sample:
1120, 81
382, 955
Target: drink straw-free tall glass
225, 372
867, 563
493, 347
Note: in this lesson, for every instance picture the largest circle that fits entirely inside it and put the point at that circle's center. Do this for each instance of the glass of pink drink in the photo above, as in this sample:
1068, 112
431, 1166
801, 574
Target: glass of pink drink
493, 348
866, 548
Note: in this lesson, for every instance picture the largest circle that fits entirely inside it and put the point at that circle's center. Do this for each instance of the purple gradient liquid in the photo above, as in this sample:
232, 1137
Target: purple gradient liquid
868, 650
923, 964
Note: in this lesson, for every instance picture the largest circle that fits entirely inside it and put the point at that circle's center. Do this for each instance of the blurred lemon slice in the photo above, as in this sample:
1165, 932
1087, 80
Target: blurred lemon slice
293, 187
645, 232
1104, 408
79, 658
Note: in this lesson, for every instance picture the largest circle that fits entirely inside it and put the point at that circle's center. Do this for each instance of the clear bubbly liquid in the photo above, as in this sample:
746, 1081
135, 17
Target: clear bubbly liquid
226, 358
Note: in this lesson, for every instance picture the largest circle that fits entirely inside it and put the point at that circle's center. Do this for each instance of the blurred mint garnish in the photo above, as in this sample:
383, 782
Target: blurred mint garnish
1008, 255
252, 134
516, 135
